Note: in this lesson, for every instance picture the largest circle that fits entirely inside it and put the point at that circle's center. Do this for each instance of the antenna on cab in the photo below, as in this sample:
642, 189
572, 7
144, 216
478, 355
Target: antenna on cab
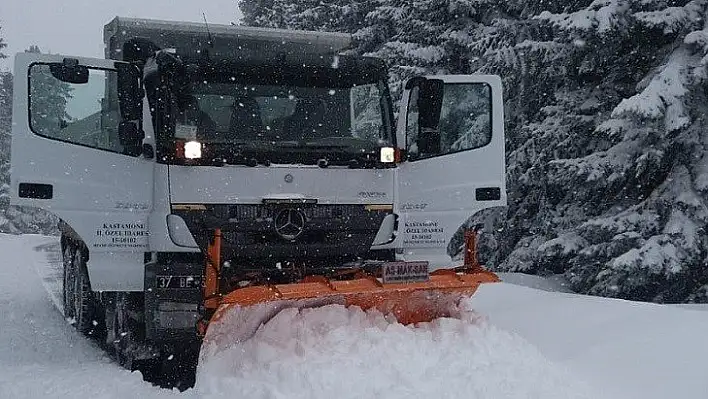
211, 41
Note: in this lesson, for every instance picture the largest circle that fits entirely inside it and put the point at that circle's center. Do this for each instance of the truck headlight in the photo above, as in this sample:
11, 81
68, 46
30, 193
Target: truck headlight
192, 150
388, 155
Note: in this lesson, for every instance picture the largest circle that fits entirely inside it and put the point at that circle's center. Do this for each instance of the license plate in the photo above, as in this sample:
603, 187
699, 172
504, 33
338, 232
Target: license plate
405, 272
178, 282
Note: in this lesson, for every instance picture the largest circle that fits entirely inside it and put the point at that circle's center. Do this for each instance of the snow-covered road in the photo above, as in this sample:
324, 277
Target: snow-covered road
41, 356
529, 343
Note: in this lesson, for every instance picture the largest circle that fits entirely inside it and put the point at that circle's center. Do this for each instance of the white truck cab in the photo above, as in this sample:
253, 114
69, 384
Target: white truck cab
278, 139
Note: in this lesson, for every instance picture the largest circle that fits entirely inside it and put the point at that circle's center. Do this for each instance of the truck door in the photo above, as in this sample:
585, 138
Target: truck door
67, 157
452, 130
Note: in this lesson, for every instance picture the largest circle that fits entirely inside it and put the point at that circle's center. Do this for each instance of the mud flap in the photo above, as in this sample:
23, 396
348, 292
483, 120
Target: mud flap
172, 296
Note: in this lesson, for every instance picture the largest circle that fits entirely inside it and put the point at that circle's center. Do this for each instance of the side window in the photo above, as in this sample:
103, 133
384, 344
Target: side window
86, 114
465, 122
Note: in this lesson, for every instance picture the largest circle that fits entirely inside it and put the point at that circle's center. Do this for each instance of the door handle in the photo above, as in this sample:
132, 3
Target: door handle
487, 194
36, 191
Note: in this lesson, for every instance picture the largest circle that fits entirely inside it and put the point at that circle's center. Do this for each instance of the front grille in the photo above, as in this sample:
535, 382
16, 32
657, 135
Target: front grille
249, 230
258, 211
245, 212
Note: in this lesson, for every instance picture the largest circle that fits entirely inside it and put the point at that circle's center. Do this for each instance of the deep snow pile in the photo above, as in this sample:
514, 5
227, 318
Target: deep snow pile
346, 353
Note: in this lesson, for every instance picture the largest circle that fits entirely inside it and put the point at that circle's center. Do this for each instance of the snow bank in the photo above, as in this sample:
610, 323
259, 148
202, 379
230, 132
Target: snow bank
630, 350
347, 353
553, 283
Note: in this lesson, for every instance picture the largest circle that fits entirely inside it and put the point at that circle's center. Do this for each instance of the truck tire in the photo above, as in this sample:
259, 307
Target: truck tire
68, 283
83, 306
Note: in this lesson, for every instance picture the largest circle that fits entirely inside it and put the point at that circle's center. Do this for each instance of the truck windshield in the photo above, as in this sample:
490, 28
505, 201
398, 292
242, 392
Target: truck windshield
293, 111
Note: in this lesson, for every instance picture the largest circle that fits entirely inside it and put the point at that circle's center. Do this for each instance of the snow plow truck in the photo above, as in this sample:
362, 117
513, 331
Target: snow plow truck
203, 172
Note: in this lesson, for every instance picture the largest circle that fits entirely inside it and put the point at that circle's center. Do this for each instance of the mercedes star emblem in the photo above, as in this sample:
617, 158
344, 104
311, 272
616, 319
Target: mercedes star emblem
289, 178
289, 224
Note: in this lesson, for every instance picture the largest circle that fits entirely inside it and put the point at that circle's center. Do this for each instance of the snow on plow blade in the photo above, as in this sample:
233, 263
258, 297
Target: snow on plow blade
244, 310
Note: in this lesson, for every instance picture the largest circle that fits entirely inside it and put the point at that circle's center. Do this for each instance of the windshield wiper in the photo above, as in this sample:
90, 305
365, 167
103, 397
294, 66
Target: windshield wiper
343, 142
229, 152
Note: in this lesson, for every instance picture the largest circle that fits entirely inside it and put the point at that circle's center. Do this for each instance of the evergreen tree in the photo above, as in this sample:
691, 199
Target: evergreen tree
5, 138
304, 14
2, 45
48, 99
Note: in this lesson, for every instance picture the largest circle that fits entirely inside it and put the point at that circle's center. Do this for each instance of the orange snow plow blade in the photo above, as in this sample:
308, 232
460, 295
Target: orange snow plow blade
243, 311
408, 302
240, 313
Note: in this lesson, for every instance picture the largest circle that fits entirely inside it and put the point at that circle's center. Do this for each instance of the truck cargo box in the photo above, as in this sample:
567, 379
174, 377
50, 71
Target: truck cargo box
233, 42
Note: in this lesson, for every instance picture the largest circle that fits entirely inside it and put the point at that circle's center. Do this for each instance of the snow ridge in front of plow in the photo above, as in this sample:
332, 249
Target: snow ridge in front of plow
344, 352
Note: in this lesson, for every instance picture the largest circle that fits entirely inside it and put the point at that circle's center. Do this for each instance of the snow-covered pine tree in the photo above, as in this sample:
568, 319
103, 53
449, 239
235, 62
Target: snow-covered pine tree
631, 223
5, 127
304, 14
605, 113
49, 98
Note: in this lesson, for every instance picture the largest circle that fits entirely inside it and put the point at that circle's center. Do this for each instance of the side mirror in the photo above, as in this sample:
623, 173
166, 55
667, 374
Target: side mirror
130, 99
130, 91
131, 137
430, 95
70, 71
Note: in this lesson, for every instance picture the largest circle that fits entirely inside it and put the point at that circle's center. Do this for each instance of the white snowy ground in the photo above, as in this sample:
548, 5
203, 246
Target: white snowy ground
519, 342
40, 355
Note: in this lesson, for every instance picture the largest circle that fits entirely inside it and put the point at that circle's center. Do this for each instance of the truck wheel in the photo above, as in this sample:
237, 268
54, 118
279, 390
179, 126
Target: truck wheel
83, 305
68, 282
